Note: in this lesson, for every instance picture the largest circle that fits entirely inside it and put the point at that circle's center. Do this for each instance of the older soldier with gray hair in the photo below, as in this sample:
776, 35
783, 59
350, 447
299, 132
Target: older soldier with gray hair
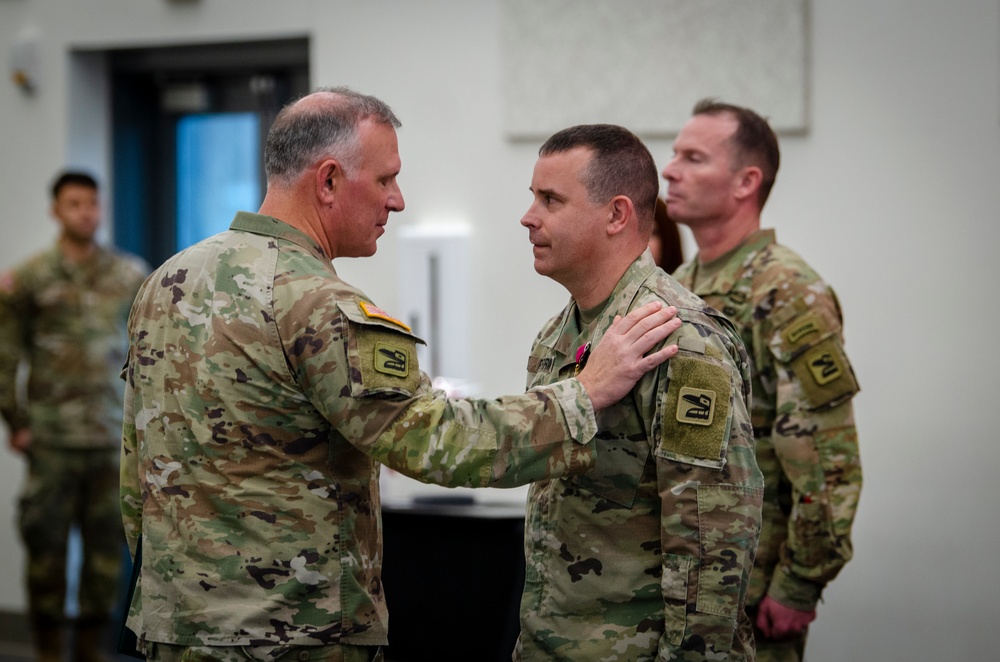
648, 555
263, 391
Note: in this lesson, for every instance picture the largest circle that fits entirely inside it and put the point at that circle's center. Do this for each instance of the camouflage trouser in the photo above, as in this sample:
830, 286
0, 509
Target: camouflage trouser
66, 487
157, 652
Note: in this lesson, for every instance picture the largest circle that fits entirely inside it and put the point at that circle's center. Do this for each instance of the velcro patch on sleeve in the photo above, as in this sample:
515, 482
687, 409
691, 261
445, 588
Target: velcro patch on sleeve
805, 328
825, 375
388, 359
696, 412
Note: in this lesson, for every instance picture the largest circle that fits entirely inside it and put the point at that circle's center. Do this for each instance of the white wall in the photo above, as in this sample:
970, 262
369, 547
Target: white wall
892, 194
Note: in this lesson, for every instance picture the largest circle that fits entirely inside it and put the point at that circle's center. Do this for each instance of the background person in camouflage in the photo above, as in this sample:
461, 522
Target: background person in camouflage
724, 165
647, 556
62, 313
262, 391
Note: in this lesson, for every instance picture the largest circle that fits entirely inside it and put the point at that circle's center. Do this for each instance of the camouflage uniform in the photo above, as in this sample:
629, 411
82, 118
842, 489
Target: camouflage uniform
262, 392
66, 321
648, 556
807, 445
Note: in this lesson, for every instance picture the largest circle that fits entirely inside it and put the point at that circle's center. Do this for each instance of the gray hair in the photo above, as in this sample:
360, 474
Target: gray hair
323, 123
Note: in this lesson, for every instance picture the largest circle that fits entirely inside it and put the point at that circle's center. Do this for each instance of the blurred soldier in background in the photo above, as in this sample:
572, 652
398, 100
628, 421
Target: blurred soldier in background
62, 317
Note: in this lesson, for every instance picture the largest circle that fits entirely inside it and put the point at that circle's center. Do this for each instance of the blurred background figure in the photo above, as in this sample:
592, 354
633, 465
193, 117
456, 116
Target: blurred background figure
665, 242
62, 347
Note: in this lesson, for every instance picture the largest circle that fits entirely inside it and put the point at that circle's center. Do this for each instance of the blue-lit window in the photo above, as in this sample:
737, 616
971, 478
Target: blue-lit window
218, 172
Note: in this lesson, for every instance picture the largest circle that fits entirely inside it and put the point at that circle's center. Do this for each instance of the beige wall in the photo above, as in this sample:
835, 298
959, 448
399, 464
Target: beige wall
892, 194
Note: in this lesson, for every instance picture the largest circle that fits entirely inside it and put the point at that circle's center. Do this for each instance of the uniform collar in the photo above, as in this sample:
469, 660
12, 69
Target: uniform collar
270, 226
563, 342
736, 264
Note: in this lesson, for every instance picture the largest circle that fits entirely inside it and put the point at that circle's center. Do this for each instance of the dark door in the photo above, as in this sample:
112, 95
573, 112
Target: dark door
189, 125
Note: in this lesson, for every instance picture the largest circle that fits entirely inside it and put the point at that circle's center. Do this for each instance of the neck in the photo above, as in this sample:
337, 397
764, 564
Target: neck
76, 250
716, 239
602, 279
285, 205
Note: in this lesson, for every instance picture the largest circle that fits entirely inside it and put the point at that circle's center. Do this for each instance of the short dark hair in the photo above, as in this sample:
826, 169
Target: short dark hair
754, 142
620, 165
72, 178
300, 135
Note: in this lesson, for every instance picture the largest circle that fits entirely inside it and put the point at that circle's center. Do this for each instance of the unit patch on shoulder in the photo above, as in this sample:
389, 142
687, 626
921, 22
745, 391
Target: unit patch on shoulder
392, 359
823, 365
371, 310
695, 412
825, 374
385, 359
696, 406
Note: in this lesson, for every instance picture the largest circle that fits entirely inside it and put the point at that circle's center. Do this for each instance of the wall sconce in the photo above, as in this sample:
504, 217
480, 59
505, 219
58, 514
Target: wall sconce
24, 60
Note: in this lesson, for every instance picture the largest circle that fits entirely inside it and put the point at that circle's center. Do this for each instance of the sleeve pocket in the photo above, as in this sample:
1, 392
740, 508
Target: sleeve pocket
728, 529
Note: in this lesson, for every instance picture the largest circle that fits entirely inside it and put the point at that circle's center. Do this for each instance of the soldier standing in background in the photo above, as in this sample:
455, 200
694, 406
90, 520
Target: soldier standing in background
62, 314
263, 391
648, 555
724, 165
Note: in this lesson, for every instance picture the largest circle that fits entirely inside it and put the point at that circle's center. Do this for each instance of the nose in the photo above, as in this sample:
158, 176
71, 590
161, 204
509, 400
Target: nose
396, 202
670, 171
527, 221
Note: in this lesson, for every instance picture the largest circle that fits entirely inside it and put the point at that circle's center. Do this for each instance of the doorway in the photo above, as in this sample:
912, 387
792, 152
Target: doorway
189, 124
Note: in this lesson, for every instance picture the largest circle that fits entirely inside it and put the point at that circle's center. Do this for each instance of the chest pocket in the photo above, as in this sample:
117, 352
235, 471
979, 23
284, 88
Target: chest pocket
622, 445
381, 352
809, 345
694, 417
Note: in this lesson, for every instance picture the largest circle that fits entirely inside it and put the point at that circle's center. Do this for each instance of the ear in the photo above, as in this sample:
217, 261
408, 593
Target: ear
329, 179
622, 213
747, 182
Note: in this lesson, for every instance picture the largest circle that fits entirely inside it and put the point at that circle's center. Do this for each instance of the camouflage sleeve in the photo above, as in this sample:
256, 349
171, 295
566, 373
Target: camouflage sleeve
363, 376
710, 493
13, 332
130, 486
510, 441
130, 490
816, 444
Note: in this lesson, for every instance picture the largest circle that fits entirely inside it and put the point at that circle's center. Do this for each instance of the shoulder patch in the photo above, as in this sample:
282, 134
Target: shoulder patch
386, 360
393, 358
802, 328
696, 406
371, 310
696, 411
825, 374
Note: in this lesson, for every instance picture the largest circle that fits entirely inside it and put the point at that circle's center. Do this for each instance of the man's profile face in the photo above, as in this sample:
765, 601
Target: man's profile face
564, 226
700, 176
77, 211
369, 192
